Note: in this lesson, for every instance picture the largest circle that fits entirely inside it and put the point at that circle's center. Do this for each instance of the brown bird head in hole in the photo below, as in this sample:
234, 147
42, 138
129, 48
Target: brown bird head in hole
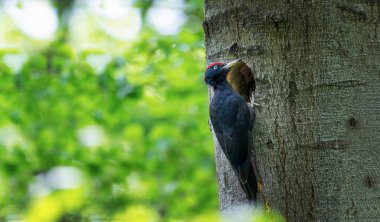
242, 80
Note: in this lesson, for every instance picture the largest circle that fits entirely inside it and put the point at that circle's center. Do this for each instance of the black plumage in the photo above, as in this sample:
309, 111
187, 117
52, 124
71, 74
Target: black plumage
232, 120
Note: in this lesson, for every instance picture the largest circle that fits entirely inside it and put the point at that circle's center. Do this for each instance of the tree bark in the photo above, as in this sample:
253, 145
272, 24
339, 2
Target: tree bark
317, 129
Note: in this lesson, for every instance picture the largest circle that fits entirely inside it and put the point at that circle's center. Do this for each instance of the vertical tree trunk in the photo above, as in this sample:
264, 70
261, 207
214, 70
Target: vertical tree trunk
317, 129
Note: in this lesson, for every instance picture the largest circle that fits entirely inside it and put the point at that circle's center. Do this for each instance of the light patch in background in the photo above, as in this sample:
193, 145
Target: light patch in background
15, 61
93, 22
136, 186
36, 18
170, 187
91, 136
10, 136
241, 213
98, 62
112, 9
125, 28
167, 17
4, 29
170, 3
60, 177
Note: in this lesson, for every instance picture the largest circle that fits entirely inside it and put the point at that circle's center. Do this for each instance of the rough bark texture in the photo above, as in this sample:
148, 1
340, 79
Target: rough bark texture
317, 131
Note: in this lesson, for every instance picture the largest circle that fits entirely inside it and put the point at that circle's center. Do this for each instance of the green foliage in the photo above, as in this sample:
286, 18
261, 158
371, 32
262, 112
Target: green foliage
151, 107
133, 139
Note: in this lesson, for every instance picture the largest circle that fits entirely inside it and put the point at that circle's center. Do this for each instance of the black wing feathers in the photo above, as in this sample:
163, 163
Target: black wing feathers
230, 117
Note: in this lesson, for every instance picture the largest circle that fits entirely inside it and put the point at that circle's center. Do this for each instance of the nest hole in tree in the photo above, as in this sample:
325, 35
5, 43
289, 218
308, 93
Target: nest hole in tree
242, 80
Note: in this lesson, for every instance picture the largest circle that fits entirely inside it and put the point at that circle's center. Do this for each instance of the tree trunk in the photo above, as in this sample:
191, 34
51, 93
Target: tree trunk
317, 130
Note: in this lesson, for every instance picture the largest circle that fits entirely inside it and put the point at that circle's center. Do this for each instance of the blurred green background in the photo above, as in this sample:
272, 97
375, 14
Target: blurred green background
104, 111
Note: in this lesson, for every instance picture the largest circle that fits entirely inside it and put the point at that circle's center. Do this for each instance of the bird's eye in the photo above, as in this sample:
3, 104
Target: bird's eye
215, 67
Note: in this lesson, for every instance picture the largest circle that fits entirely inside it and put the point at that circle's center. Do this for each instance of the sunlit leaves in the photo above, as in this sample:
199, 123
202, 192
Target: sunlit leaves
52, 207
137, 131
138, 213
135, 127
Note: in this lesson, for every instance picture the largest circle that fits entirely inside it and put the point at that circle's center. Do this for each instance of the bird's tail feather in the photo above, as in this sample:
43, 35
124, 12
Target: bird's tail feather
248, 180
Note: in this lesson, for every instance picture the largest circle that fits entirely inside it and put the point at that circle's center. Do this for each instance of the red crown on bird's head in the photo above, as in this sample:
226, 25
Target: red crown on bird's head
215, 64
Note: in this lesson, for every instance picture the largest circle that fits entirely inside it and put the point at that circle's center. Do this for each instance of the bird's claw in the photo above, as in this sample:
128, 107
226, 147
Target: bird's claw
260, 185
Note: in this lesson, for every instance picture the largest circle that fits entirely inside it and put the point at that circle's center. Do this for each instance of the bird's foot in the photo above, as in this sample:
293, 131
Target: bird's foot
267, 206
260, 185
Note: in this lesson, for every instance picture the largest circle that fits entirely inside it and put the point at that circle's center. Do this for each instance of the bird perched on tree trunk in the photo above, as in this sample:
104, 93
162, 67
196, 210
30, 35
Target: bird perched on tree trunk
232, 119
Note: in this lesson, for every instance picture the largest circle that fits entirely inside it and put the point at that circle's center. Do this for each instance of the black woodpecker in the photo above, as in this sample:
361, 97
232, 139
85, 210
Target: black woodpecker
231, 120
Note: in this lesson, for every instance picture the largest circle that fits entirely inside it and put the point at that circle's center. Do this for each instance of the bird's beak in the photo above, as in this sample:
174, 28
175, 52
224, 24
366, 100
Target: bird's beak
235, 63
